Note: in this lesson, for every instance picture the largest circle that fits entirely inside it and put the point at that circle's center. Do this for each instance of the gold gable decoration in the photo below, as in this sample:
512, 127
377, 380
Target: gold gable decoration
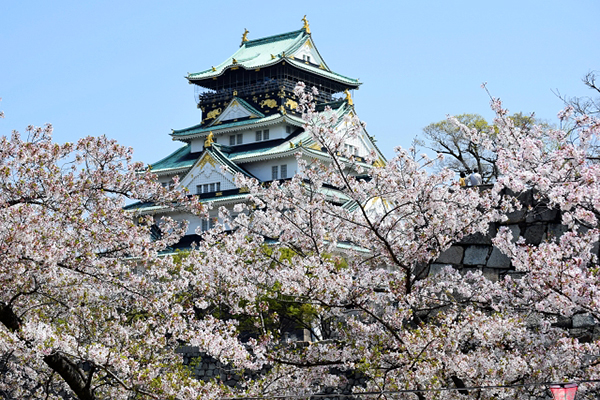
379, 163
206, 159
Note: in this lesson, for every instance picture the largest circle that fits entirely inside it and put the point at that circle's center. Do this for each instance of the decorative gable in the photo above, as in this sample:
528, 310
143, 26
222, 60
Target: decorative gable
308, 53
237, 109
207, 175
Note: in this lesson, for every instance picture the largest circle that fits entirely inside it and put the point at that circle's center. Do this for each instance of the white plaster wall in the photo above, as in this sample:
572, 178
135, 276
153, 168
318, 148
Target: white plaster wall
165, 180
262, 169
197, 145
275, 132
249, 136
363, 148
195, 222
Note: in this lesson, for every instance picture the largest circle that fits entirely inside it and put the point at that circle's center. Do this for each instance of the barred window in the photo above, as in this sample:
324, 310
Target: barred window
274, 170
283, 174
208, 223
232, 140
266, 134
258, 136
240, 139
208, 188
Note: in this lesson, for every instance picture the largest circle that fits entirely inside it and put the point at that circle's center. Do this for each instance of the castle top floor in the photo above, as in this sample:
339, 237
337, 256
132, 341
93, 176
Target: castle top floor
269, 65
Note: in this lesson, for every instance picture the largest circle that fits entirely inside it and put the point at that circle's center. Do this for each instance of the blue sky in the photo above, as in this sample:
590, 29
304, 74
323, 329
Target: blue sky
118, 67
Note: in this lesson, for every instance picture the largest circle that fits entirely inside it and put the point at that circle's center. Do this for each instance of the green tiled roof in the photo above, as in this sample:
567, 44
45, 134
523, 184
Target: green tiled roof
179, 159
152, 207
242, 154
198, 129
269, 51
224, 160
323, 72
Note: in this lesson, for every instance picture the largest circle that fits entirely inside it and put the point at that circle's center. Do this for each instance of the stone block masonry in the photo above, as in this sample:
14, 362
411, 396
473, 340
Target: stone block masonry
535, 222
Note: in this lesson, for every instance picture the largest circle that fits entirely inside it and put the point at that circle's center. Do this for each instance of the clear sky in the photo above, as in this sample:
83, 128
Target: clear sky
118, 67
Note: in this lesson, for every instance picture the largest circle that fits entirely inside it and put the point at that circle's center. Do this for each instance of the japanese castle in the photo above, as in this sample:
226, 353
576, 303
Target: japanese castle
250, 124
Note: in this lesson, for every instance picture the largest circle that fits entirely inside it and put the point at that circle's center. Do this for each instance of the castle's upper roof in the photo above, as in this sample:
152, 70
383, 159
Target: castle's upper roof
268, 51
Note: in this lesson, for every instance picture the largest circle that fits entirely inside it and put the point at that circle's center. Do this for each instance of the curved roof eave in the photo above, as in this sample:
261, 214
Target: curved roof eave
322, 72
228, 67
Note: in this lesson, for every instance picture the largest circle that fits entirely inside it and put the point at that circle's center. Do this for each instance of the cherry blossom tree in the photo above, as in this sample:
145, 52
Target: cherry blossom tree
90, 308
87, 308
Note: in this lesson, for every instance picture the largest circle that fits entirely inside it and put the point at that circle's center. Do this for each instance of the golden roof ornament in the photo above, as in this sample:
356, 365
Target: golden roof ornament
348, 97
209, 140
305, 27
245, 36
234, 61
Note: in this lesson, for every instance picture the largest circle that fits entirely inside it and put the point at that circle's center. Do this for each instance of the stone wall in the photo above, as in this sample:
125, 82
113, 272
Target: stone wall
535, 222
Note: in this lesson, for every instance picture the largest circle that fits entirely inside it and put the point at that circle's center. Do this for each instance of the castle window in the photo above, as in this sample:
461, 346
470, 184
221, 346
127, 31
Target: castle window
232, 140
274, 170
208, 188
283, 174
353, 150
262, 135
208, 223
240, 138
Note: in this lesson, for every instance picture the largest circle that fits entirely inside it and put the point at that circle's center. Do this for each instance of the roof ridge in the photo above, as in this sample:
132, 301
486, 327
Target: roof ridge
273, 38
224, 160
177, 131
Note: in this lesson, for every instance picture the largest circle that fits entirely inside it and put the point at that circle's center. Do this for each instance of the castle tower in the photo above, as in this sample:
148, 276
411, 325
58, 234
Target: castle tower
249, 121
